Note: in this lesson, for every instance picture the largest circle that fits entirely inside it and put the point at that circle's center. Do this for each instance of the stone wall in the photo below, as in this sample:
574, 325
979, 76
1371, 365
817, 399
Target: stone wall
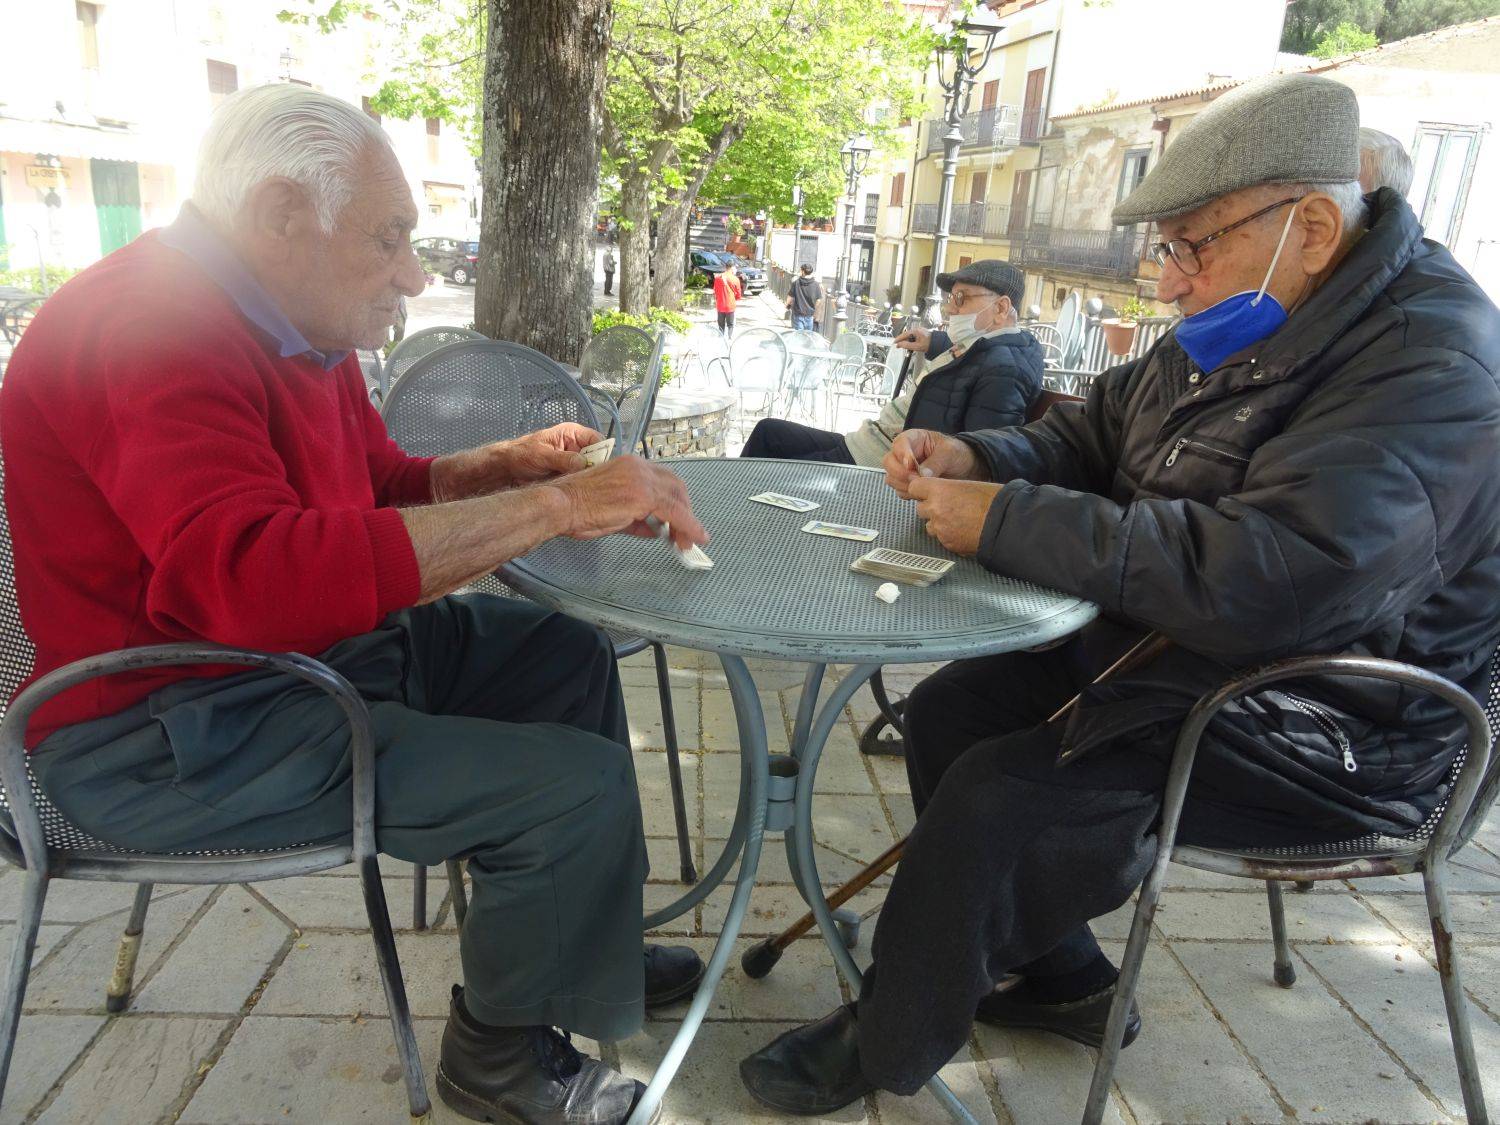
689, 424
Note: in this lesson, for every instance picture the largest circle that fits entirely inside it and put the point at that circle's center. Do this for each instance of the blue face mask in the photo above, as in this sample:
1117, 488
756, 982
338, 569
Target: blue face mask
1213, 335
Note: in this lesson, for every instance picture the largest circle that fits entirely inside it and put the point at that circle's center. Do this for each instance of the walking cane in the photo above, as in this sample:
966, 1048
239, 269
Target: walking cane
761, 958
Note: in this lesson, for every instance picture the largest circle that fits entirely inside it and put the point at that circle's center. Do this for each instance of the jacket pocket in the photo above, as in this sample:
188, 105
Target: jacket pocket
1196, 446
1326, 722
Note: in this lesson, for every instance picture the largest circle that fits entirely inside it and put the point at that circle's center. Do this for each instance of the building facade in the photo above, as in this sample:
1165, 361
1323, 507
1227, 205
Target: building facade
102, 106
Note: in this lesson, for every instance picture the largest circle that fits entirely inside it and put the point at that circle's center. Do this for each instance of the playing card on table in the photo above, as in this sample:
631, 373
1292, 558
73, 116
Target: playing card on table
599, 452
790, 503
840, 531
902, 566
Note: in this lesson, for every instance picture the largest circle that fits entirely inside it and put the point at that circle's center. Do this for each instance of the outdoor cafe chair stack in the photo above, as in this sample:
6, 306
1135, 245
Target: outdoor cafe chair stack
36, 837
469, 393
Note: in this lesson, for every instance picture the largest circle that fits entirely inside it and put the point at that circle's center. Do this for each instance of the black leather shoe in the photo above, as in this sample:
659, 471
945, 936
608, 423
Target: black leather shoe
810, 1070
527, 1076
1079, 1020
672, 972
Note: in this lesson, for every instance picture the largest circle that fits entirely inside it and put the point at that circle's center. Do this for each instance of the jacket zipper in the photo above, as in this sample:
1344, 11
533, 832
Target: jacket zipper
1328, 725
1211, 452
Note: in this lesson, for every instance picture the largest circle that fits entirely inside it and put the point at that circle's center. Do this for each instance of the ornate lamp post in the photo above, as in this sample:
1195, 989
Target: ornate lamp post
855, 158
968, 60
797, 231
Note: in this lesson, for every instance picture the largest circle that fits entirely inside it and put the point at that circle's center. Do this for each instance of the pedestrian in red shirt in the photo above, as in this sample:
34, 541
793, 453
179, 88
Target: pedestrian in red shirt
727, 290
190, 455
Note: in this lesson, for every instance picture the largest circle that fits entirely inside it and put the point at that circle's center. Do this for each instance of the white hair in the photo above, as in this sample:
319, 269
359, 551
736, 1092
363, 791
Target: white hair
1384, 162
310, 138
1351, 200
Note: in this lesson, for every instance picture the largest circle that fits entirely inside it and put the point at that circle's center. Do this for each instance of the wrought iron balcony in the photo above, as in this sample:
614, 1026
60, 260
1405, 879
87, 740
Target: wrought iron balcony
1103, 253
968, 220
1000, 126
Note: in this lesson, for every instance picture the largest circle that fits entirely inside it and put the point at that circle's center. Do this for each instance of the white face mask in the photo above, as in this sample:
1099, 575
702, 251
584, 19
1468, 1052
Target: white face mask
963, 329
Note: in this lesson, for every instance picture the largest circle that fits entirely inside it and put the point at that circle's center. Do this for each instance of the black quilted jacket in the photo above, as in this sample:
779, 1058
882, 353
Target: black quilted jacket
991, 385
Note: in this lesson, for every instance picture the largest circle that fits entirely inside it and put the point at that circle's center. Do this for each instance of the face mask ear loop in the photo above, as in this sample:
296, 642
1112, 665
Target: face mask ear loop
1276, 257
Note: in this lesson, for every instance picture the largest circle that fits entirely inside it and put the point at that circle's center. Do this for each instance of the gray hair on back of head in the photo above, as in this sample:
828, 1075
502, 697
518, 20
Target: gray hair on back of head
291, 131
1384, 161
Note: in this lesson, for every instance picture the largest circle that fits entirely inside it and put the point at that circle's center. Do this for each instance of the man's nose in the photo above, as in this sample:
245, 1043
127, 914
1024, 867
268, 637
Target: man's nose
411, 278
1173, 284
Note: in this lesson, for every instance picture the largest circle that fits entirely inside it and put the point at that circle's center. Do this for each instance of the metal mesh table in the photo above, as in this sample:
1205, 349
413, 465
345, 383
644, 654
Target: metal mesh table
778, 592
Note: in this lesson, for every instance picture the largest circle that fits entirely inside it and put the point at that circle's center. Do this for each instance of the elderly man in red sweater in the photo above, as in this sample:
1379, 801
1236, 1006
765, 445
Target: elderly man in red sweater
190, 455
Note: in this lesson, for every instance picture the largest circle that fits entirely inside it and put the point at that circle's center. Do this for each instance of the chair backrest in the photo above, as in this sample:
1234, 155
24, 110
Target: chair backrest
850, 346
625, 363
802, 338
637, 405
1045, 401
759, 358
1489, 785
707, 347
477, 391
419, 344
1070, 329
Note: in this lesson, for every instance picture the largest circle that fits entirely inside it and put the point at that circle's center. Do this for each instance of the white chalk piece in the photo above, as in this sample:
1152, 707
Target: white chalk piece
887, 592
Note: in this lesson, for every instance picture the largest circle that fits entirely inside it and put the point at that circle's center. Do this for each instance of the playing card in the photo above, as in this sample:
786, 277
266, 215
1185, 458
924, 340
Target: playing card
599, 452
694, 558
902, 566
790, 503
840, 531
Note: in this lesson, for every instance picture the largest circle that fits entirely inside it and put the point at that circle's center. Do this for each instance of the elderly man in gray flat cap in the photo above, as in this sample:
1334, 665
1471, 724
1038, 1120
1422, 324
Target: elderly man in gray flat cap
1308, 463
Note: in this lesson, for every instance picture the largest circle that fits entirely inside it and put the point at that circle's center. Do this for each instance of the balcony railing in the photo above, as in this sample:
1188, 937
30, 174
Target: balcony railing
1105, 253
968, 220
999, 126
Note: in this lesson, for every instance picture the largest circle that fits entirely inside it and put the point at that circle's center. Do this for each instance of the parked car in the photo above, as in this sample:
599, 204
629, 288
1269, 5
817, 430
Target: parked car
755, 277
454, 258
709, 263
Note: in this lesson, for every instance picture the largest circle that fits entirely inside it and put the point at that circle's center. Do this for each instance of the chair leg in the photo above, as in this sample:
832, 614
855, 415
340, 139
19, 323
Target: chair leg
117, 995
456, 885
395, 986
1469, 1081
1284, 972
418, 896
674, 767
33, 894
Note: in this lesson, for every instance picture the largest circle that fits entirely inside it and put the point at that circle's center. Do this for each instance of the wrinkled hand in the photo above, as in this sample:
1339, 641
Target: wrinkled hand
620, 494
567, 436
542, 455
927, 453
954, 510
914, 340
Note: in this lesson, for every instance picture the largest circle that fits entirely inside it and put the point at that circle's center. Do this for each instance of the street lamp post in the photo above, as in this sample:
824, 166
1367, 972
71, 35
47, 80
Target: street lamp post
855, 158
956, 92
797, 231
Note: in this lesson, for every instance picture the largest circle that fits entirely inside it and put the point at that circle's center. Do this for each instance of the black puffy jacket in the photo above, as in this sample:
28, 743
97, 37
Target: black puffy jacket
1335, 488
991, 385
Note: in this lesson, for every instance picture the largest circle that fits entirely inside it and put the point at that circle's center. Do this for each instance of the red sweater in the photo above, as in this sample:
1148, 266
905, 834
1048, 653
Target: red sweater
169, 477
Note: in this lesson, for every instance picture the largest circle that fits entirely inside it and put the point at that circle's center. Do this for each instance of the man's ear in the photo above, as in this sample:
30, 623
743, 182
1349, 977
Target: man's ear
1323, 231
277, 214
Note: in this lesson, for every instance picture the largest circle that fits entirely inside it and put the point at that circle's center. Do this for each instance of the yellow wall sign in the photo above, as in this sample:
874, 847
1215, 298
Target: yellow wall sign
40, 176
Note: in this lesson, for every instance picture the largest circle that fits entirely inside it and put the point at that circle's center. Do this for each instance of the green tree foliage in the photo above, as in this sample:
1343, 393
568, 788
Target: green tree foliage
1345, 39
1310, 22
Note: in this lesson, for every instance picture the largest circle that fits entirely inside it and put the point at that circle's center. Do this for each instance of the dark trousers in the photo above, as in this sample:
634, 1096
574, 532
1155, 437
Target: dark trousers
500, 734
609, 281
774, 438
726, 323
1010, 857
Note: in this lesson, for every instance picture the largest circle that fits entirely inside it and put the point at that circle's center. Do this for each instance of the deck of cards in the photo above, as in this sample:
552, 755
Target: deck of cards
902, 566
840, 531
790, 503
598, 453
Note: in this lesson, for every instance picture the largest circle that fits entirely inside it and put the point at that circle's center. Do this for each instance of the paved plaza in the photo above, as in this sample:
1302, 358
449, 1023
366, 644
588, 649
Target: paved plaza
262, 1003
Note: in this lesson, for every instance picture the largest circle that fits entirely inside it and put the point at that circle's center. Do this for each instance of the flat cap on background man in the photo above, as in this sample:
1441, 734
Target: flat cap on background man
1292, 128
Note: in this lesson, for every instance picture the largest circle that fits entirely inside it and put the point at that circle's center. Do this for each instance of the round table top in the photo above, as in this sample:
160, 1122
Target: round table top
776, 591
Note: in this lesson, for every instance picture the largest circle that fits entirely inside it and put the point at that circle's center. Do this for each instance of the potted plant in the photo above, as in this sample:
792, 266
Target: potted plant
1119, 331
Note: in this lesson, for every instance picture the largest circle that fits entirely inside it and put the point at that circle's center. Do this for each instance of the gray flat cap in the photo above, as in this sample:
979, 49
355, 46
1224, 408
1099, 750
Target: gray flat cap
1290, 128
1000, 278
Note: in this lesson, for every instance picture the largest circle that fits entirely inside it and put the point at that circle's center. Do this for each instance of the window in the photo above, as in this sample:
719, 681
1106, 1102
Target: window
898, 189
1133, 171
1443, 157
364, 104
872, 207
1032, 109
434, 138
88, 33
965, 260
223, 80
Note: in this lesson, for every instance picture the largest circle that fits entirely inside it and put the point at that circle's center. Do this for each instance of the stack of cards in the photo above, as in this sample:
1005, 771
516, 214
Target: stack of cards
780, 500
598, 453
902, 566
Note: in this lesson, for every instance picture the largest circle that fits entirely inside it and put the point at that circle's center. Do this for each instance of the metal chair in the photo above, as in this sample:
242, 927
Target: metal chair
625, 363
707, 353
1069, 328
469, 393
418, 344
1474, 783
759, 359
36, 837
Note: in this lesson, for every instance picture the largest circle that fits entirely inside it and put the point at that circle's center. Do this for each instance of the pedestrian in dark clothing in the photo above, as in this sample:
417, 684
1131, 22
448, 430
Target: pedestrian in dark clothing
609, 270
983, 373
1308, 463
803, 299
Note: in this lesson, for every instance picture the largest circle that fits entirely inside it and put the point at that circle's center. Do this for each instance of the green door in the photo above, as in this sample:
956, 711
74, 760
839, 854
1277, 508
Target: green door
117, 198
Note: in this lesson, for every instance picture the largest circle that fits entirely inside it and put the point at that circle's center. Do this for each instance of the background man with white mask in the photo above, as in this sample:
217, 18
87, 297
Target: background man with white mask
1310, 463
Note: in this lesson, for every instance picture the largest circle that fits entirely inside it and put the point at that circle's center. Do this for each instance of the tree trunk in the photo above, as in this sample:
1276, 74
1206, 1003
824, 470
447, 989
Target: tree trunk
672, 224
635, 243
540, 171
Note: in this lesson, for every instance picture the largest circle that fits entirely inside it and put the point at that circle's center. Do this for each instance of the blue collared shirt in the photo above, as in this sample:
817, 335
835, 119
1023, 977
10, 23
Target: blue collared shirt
192, 235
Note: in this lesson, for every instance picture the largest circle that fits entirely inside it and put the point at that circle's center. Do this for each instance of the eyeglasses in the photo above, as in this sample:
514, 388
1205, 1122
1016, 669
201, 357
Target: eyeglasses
952, 300
1184, 251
